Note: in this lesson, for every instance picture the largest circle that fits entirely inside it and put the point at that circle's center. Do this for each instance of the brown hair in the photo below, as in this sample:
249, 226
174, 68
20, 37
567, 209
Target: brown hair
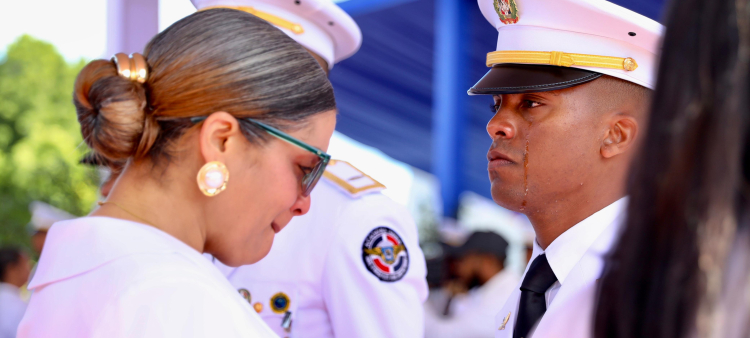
213, 60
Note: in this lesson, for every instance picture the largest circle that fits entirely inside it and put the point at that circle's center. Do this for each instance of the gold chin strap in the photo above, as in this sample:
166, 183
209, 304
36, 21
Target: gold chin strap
560, 59
272, 19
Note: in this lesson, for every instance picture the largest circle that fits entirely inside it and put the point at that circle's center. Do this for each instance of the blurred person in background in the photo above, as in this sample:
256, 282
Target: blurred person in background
571, 85
351, 267
15, 268
43, 216
482, 286
219, 92
682, 266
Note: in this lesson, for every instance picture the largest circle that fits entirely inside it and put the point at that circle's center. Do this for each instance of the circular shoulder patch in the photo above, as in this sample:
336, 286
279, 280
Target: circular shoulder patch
385, 254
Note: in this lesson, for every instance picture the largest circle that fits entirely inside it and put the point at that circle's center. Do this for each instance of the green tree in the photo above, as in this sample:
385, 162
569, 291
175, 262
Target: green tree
40, 139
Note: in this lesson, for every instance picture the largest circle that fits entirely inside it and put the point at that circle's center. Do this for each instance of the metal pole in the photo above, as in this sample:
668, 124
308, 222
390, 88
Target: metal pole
449, 100
130, 25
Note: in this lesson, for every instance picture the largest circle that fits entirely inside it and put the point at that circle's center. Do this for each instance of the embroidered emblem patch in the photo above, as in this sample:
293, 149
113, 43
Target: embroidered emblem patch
385, 254
507, 10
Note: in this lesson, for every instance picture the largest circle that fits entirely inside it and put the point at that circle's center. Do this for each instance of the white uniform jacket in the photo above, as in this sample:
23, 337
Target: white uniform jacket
351, 267
577, 259
475, 315
106, 277
12, 308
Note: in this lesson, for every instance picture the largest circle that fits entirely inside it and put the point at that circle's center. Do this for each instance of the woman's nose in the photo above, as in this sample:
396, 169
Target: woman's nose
301, 206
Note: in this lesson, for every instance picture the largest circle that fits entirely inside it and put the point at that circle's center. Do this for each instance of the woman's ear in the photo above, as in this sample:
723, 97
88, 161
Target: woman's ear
216, 134
620, 135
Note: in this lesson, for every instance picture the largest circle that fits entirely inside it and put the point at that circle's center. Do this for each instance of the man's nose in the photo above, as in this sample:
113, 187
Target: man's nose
500, 127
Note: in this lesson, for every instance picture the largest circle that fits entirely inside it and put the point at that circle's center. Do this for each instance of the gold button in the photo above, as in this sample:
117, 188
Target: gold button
258, 307
629, 64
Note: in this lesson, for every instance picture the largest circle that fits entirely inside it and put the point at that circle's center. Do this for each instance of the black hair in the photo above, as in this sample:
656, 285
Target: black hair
8, 256
688, 186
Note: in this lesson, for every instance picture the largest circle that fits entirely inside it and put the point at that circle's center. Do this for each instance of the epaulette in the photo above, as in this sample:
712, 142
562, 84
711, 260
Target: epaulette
350, 179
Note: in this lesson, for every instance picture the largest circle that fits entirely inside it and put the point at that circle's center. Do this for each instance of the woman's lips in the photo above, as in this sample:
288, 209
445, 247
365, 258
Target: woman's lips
276, 227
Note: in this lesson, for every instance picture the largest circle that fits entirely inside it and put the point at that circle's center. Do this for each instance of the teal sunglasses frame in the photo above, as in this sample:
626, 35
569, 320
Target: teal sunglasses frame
309, 180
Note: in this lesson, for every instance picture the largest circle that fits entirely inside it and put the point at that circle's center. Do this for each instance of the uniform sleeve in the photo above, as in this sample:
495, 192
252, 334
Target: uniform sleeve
362, 299
188, 308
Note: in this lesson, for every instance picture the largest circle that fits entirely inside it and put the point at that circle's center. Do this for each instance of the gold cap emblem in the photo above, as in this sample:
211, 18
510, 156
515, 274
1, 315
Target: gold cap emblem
507, 10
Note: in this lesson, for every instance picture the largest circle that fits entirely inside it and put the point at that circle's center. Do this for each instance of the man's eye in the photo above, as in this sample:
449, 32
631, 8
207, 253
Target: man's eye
531, 104
494, 108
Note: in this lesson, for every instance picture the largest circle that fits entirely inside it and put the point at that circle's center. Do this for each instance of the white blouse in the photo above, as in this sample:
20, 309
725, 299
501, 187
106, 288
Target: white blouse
106, 277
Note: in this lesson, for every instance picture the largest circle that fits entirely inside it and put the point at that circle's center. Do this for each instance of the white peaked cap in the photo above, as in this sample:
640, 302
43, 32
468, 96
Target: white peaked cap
591, 35
44, 215
319, 25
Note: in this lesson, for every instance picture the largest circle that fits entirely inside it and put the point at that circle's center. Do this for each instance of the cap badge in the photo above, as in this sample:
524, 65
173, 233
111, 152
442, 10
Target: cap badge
507, 10
385, 254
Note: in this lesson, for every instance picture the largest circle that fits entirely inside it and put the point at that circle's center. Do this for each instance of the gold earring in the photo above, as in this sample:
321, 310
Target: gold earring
213, 178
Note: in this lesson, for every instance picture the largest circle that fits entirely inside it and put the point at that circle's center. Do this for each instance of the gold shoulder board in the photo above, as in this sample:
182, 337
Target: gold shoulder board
350, 179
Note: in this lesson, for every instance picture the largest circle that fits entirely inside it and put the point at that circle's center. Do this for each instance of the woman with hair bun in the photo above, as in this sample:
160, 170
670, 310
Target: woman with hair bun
222, 124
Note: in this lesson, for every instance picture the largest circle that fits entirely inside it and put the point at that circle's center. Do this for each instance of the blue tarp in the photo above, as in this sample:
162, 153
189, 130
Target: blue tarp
384, 92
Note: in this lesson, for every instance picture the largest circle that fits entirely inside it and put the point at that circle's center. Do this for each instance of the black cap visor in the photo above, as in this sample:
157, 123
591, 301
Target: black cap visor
511, 78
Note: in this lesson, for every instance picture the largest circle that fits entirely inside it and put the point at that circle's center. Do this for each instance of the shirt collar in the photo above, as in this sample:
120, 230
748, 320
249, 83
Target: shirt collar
80, 245
568, 248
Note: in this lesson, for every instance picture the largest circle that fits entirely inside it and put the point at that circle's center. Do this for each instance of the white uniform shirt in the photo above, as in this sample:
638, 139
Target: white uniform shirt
318, 262
105, 277
577, 258
475, 312
12, 308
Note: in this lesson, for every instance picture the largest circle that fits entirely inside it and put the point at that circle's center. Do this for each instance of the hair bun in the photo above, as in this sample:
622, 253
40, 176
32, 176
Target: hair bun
111, 111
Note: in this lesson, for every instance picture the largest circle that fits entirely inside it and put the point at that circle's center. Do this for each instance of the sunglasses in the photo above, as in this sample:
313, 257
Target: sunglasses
311, 178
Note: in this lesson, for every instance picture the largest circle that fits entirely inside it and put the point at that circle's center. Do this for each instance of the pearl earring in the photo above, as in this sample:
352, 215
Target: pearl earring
213, 178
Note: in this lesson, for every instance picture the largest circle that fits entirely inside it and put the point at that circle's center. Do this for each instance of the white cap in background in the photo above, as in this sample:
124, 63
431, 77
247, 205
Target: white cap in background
319, 25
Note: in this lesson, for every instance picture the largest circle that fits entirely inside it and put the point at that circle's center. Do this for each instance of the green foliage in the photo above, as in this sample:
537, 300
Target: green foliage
40, 139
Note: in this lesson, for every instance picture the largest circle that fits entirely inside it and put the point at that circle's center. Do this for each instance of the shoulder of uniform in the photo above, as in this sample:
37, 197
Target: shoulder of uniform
351, 180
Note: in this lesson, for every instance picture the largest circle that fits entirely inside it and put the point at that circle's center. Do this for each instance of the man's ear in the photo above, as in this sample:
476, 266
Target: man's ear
216, 134
620, 135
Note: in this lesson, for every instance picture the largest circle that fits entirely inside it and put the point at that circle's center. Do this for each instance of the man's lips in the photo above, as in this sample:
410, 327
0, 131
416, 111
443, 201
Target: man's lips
497, 159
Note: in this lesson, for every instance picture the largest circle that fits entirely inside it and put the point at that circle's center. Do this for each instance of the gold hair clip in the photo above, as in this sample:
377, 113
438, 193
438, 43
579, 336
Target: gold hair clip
133, 67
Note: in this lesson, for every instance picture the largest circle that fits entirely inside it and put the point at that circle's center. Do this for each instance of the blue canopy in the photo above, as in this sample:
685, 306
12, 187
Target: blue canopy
404, 92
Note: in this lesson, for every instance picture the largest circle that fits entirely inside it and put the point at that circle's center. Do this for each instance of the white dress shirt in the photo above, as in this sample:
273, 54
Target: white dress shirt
317, 263
12, 308
576, 258
106, 277
474, 314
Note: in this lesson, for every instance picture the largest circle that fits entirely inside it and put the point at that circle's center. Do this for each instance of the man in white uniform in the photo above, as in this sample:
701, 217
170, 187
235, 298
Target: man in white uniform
471, 313
571, 84
352, 266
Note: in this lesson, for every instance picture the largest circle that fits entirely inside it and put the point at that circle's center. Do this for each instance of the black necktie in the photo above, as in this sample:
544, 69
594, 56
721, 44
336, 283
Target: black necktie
532, 306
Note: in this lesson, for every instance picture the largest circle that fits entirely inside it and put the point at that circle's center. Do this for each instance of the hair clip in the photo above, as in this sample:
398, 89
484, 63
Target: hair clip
133, 67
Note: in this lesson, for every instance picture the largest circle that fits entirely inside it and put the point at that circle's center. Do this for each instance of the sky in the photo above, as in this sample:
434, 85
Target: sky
76, 27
